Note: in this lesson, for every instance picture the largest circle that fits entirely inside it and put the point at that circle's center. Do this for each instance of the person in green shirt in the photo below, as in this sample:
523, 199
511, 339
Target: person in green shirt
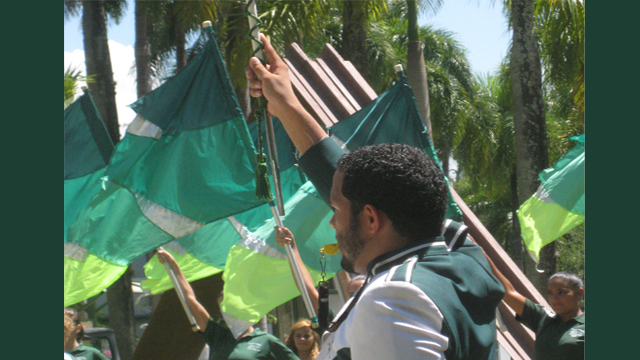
252, 344
73, 344
559, 333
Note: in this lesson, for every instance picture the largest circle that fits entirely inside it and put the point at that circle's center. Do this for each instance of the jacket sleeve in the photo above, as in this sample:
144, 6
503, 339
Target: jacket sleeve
319, 164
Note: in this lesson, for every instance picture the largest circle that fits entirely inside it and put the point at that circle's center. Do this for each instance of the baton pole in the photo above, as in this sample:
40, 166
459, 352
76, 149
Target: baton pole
297, 276
254, 25
185, 306
275, 165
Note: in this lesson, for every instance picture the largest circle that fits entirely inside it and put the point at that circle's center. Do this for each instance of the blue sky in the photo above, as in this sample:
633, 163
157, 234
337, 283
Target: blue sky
479, 26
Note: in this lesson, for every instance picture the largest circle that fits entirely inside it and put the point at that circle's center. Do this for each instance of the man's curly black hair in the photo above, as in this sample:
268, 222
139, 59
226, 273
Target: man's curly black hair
400, 180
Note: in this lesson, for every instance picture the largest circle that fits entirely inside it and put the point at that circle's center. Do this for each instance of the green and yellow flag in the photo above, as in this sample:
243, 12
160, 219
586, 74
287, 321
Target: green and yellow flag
87, 150
558, 205
186, 161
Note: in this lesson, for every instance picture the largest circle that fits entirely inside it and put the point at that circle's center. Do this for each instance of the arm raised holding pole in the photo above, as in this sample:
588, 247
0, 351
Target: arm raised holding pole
198, 316
258, 47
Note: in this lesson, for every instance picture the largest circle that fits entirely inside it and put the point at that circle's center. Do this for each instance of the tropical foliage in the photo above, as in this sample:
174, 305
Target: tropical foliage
72, 77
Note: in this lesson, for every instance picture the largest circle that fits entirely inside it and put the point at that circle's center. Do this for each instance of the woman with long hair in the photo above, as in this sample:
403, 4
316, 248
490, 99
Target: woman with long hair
303, 341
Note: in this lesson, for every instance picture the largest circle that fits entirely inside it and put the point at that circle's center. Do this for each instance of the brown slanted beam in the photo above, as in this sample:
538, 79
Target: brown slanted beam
348, 76
320, 82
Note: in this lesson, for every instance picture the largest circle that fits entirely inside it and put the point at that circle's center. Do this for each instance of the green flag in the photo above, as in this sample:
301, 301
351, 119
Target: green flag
558, 205
257, 273
392, 117
204, 252
87, 150
187, 160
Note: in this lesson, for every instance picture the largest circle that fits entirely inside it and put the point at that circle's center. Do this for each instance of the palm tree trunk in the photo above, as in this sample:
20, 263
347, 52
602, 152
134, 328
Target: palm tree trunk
516, 243
181, 47
529, 118
444, 161
416, 69
142, 49
121, 314
98, 63
355, 22
235, 35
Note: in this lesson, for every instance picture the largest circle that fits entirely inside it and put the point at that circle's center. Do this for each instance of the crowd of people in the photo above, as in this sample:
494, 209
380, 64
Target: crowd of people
414, 297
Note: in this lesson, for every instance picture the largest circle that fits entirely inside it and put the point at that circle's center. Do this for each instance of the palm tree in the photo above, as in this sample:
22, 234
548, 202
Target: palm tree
142, 48
560, 28
98, 64
416, 71
451, 89
486, 161
172, 22
355, 23
529, 119
97, 57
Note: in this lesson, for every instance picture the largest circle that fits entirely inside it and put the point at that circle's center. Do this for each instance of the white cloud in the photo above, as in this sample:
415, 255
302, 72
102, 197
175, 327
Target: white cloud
122, 60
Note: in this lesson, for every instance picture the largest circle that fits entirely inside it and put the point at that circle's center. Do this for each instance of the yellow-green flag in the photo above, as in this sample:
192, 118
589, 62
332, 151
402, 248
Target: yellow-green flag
558, 205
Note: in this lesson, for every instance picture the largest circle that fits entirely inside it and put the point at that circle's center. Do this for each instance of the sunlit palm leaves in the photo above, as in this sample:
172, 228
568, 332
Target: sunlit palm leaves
72, 77
560, 27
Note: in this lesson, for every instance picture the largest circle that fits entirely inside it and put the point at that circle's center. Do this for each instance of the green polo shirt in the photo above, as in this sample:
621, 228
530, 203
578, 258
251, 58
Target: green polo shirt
554, 339
84, 352
257, 345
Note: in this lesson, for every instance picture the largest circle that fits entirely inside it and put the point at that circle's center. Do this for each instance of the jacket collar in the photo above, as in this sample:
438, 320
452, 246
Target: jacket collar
386, 261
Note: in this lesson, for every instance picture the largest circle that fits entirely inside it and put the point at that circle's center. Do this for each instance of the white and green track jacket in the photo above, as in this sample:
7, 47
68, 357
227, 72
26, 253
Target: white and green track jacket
422, 302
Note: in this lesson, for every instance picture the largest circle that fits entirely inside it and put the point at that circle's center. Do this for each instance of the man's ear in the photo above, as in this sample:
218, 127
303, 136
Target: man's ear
372, 219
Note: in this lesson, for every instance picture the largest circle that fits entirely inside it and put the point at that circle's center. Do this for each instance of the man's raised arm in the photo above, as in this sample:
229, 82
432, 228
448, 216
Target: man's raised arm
319, 155
273, 82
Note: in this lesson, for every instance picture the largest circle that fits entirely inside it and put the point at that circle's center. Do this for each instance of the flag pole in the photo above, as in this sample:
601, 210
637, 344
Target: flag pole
183, 301
254, 26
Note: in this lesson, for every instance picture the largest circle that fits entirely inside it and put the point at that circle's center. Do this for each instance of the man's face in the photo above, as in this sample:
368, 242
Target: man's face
348, 234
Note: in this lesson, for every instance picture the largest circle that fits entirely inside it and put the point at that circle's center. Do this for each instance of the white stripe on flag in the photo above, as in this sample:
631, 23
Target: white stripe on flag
175, 247
542, 195
257, 245
75, 251
142, 127
174, 224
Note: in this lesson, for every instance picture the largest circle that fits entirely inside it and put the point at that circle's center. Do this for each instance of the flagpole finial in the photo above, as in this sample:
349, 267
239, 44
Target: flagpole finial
206, 24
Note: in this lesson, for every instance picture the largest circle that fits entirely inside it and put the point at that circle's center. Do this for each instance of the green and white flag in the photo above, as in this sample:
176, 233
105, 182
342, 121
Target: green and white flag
558, 205
186, 161
204, 252
87, 150
256, 270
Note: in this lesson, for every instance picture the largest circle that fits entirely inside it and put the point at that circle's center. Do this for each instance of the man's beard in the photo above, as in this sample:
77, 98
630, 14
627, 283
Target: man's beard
352, 243
347, 265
